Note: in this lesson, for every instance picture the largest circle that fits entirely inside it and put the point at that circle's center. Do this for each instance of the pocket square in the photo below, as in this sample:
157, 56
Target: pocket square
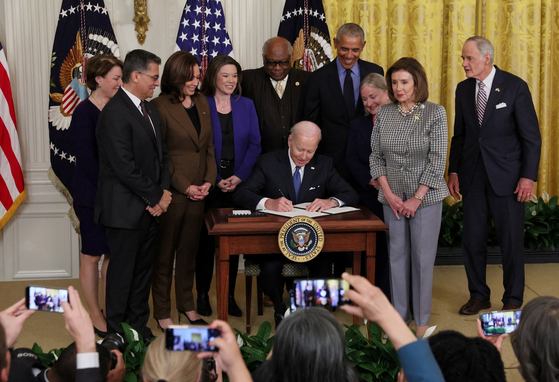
314, 188
501, 105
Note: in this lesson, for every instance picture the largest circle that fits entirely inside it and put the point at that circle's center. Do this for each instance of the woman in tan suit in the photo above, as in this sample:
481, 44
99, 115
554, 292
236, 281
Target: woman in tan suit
187, 126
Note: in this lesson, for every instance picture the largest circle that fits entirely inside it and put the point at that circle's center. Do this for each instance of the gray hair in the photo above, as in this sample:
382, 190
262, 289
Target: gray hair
350, 30
270, 40
306, 128
374, 80
484, 46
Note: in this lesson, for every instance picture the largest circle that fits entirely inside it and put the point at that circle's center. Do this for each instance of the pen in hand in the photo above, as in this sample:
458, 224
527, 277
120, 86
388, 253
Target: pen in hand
281, 193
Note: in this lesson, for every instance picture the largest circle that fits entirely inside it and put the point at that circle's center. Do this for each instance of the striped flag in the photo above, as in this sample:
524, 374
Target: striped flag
303, 24
84, 30
202, 31
12, 188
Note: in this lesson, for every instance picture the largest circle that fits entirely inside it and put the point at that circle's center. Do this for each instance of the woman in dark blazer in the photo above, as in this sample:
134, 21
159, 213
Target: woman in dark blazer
186, 124
103, 78
237, 145
374, 94
408, 159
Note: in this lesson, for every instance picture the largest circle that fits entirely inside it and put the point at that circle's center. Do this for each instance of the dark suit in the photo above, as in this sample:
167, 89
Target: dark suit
272, 173
489, 161
325, 106
134, 171
357, 159
192, 162
276, 115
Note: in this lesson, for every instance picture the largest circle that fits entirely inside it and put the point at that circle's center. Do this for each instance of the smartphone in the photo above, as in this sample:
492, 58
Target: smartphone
192, 338
320, 292
45, 299
500, 322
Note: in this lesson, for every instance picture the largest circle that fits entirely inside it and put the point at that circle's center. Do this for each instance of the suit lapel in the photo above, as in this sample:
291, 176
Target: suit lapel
308, 177
494, 96
137, 114
179, 114
470, 101
334, 81
286, 176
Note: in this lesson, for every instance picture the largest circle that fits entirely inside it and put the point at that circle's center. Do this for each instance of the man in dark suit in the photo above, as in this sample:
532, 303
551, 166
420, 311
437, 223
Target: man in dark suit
272, 186
277, 90
333, 98
133, 190
494, 159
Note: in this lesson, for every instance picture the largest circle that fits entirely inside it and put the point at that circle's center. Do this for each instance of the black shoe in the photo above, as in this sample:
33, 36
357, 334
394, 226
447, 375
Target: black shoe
234, 309
203, 306
195, 322
278, 317
99, 332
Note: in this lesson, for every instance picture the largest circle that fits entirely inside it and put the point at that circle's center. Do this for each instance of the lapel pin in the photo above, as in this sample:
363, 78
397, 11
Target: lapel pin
312, 168
297, 83
497, 90
416, 117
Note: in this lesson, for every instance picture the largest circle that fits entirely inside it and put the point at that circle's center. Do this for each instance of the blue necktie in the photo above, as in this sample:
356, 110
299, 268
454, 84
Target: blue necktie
297, 182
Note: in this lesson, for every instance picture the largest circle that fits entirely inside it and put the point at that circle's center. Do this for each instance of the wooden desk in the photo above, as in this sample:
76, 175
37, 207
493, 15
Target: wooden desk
352, 231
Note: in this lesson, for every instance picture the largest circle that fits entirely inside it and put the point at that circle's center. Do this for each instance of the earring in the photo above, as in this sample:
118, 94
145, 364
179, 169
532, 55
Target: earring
98, 85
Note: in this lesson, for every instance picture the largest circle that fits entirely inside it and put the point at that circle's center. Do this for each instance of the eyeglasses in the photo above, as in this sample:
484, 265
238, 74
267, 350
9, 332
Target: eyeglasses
272, 64
154, 78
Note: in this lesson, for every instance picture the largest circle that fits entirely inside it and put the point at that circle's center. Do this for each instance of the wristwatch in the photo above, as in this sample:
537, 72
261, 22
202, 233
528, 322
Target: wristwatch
336, 203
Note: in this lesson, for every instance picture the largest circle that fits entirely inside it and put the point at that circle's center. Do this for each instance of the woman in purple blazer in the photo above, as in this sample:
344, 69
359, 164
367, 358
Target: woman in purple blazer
103, 78
237, 145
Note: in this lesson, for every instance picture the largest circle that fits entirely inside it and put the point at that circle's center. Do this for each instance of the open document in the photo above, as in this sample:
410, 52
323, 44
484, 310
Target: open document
300, 210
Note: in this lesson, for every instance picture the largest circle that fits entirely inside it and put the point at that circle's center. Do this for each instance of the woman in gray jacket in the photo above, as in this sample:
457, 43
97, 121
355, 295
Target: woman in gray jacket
409, 146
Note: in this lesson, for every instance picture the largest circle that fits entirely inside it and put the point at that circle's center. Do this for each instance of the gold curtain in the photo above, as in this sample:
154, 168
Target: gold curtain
525, 34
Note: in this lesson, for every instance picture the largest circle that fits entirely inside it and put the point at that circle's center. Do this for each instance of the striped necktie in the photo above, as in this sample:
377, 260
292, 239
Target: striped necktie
481, 102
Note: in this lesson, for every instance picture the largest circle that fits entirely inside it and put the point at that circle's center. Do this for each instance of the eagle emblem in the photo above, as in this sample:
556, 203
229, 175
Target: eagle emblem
301, 239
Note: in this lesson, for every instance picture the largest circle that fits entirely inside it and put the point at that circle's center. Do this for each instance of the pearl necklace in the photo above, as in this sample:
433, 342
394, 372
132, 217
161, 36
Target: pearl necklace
406, 113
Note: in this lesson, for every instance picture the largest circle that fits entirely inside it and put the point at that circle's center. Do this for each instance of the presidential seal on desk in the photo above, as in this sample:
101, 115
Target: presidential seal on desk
301, 239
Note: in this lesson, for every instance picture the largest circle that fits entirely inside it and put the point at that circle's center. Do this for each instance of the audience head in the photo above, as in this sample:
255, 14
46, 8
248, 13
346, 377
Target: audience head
170, 366
64, 369
535, 340
464, 359
477, 57
223, 76
181, 76
140, 73
4, 356
309, 345
349, 43
409, 71
103, 71
373, 93
303, 142
276, 54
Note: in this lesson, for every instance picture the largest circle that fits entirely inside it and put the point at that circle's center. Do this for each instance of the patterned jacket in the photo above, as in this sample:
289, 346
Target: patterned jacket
410, 151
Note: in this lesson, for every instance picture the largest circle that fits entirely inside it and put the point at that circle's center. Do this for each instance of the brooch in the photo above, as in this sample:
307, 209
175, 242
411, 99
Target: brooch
416, 117
497, 90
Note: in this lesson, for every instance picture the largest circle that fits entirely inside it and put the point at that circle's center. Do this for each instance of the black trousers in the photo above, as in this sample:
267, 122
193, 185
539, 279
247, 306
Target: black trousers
480, 204
129, 277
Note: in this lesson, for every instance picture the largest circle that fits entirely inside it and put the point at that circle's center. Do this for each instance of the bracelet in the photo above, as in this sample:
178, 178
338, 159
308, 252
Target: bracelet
418, 197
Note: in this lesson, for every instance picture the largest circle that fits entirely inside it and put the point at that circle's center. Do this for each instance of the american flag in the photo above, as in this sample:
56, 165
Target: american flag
202, 31
303, 23
12, 188
84, 30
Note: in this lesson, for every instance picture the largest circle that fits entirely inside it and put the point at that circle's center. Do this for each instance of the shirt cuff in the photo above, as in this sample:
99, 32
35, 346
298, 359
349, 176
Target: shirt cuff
340, 203
87, 360
261, 204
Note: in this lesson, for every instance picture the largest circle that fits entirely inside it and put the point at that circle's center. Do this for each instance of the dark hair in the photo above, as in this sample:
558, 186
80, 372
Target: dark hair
65, 365
3, 348
464, 359
309, 346
177, 71
210, 77
412, 66
137, 60
535, 341
99, 65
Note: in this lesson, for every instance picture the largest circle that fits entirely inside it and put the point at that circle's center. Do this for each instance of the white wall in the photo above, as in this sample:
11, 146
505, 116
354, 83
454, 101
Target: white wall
38, 242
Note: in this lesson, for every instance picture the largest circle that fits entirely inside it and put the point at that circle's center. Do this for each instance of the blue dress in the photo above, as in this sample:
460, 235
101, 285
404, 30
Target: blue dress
84, 185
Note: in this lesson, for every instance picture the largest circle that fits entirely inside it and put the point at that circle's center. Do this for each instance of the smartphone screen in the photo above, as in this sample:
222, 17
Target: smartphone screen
501, 322
45, 299
192, 338
320, 292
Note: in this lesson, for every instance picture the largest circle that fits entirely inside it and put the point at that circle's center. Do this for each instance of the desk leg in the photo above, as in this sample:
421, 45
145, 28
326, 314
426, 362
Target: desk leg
371, 250
222, 277
356, 271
